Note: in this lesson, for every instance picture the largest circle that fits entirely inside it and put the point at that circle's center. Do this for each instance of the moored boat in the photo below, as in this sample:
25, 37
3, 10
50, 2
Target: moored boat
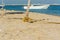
37, 7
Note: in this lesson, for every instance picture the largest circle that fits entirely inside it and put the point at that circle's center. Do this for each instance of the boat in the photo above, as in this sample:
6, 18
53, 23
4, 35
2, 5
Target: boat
37, 7
1, 5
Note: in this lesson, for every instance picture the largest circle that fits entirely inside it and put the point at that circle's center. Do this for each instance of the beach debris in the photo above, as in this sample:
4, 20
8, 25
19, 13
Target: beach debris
27, 19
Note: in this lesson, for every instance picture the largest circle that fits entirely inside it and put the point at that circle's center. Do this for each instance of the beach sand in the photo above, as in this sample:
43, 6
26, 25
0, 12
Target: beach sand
44, 27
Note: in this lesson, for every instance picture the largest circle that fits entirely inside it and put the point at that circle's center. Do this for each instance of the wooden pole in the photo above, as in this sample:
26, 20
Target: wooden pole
27, 11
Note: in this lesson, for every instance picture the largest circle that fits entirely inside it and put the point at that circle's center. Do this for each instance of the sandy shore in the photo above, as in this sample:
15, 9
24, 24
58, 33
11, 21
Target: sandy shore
44, 27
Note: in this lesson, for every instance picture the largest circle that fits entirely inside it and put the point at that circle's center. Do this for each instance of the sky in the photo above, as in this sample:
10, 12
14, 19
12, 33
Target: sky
32, 1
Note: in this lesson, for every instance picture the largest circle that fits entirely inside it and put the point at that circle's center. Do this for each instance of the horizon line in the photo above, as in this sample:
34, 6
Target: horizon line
31, 4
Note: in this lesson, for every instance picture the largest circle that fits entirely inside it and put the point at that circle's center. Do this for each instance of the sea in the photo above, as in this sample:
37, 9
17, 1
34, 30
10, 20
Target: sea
51, 10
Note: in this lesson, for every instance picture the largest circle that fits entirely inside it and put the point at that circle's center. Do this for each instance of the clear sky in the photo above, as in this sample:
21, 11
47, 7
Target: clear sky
32, 1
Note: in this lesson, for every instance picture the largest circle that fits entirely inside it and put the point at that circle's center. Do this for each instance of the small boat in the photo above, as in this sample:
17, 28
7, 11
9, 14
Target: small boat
1, 6
37, 7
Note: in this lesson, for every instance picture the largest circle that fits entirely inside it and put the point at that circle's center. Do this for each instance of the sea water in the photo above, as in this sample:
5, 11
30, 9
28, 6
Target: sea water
51, 10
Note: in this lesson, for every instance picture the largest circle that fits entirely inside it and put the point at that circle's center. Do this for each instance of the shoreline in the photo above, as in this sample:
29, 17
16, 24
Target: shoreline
33, 15
46, 14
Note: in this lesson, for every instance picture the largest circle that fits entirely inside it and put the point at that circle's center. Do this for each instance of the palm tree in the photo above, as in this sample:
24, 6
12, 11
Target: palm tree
2, 9
27, 11
26, 18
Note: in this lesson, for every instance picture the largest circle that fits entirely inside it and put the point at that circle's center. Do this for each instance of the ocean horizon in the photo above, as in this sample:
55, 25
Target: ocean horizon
51, 10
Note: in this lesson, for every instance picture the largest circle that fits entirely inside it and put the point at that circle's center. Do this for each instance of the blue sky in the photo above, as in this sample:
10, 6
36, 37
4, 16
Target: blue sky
32, 1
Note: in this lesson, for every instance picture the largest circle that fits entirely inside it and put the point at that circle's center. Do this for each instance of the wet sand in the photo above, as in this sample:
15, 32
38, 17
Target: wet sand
44, 27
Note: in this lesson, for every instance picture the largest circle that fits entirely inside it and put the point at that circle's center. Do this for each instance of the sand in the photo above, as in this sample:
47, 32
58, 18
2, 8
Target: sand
44, 27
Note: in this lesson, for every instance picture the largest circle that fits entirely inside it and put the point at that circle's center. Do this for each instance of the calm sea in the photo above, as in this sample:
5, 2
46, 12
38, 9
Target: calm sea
52, 9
